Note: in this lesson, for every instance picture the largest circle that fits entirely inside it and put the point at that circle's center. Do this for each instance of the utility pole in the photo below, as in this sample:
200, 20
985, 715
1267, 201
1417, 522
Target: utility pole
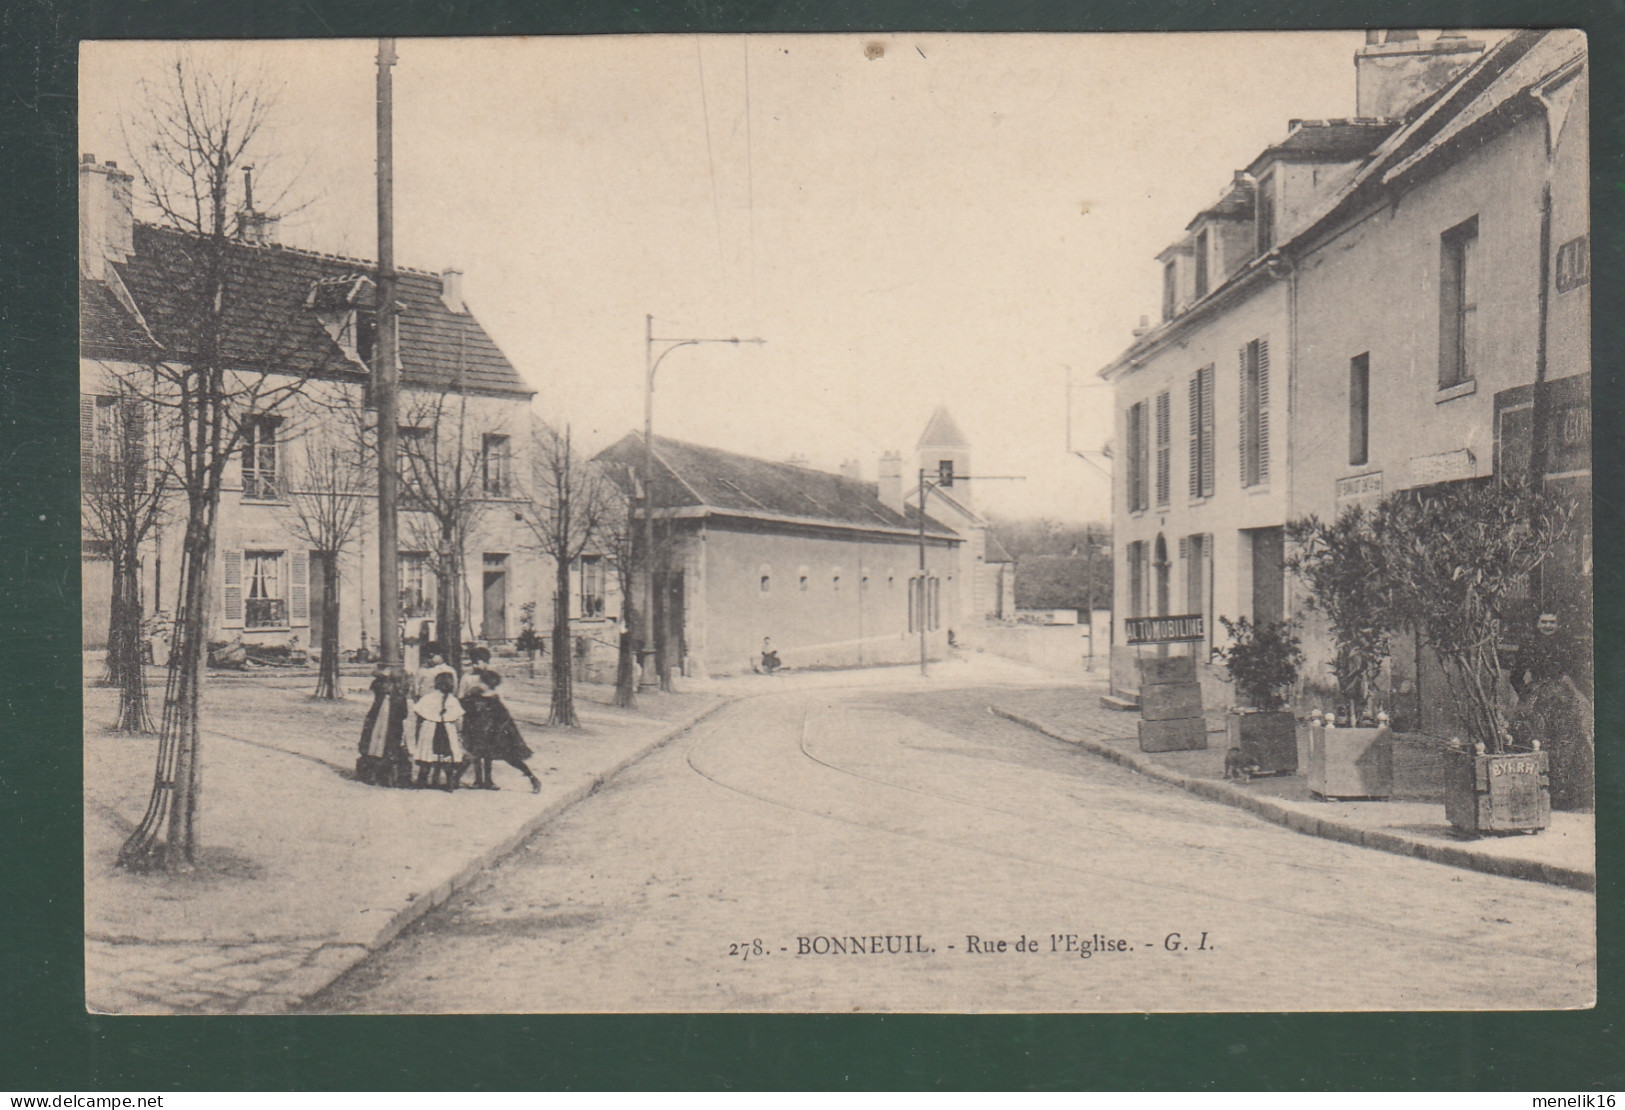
652, 647
386, 387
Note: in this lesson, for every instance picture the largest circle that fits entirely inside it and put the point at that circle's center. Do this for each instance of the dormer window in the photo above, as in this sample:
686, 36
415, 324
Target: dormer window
1266, 213
1202, 252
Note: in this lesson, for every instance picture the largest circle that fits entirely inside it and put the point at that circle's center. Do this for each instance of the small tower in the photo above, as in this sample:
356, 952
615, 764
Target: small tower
941, 442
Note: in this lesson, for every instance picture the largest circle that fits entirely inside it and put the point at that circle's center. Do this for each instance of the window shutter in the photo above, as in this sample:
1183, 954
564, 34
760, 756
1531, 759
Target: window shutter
1263, 411
1242, 439
1164, 448
1145, 456
87, 434
135, 428
1208, 429
1184, 547
231, 587
299, 588
1196, 436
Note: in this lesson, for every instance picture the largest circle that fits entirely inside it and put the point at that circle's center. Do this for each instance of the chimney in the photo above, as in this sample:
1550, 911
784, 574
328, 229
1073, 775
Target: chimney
851, 470
451, 290
1393, 75
890, 487
106, 219
1144, 327
797, 459
254, 226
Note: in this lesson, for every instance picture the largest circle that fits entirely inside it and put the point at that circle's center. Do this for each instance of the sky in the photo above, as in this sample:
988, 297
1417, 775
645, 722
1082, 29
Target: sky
908, 220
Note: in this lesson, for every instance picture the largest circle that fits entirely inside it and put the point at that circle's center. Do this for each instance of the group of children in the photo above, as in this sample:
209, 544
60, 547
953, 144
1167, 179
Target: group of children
456, 726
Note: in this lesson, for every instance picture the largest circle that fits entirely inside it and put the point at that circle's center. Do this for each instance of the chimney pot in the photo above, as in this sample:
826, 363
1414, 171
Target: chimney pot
87, 159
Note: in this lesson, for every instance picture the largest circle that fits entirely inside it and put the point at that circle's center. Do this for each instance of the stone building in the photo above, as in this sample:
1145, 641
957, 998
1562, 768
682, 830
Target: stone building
1374, 304
296, 317
826, 565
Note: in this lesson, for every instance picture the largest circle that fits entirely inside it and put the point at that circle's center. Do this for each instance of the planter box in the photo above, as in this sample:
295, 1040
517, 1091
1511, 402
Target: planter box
1185, 735
1496, 793
1268, 739
1351, 762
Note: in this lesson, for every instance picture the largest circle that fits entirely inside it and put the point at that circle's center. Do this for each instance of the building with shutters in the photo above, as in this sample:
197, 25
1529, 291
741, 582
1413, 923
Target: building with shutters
296, 316
1375, 303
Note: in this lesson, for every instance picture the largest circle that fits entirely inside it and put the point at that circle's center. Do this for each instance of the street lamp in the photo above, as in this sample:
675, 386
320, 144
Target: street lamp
945, 479
651, 362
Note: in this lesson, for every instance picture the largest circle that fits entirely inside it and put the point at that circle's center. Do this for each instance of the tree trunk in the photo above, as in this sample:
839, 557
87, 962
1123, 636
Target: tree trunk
626, 669
125, 667
166, 838
563, 711
327, 679
448, 606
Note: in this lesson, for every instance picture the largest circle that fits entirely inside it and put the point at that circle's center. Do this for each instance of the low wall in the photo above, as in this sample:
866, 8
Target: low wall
1054, 647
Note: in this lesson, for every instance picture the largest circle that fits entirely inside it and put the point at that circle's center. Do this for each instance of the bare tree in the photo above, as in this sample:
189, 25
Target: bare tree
453, 466
328, 499
122, 499
620, 538
196, 133
574, 500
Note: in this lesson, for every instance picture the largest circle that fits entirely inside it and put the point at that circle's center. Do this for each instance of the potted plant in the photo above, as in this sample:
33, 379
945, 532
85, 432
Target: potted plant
1351, 751
1461, 558
1262, 660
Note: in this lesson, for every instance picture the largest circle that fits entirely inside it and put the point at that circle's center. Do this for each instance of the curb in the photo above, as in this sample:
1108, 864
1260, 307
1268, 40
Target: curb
337, 956
1451, 855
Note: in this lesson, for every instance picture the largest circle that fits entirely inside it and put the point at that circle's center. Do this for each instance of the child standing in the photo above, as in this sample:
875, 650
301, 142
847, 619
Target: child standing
439, 754
493, 734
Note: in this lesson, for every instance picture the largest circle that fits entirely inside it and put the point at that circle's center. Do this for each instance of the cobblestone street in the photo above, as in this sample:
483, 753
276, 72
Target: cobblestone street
911, 818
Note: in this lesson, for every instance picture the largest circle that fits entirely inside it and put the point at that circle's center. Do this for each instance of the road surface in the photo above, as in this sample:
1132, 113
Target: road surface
898, 848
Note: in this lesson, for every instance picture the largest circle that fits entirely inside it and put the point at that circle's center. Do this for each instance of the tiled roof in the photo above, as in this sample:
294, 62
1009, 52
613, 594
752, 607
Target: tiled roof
688, 476
1235, 204
107, 328
272, 319
1338, 140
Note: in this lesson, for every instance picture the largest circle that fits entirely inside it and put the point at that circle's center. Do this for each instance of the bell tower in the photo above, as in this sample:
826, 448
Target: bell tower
943, 443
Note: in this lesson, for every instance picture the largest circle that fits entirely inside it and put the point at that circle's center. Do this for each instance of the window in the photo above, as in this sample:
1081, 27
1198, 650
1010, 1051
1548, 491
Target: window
1170, 288
494, 465
1360, 409
416, 446
924, 604
1201, 264
1138, 451
765, 578
417, 584
803, 576
835, 579
260, 478
113, 438
945, 473
1164, 441
1255, 414
265, 589
1458, 304
1266, 212
1201, 425
364, 334
592, 586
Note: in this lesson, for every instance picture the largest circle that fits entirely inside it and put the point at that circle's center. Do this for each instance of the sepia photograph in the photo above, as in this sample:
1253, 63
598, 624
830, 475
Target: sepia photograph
925, 523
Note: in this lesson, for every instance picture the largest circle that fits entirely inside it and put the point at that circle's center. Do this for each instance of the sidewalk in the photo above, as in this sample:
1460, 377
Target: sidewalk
304, 871
1412, 823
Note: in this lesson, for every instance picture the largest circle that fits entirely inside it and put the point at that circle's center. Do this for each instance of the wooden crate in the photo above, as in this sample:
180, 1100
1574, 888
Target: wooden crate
1269, 740
1351, 762
1496, 793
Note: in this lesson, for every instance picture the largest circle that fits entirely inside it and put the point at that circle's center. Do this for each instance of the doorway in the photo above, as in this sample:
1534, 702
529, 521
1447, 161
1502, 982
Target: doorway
494, 622
1269, 575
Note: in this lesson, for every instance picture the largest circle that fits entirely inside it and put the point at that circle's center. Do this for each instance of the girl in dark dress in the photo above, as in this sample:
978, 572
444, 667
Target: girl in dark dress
382, 759
490, 734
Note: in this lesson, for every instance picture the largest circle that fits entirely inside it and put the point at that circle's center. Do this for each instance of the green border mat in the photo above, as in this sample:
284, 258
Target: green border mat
49, 1045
